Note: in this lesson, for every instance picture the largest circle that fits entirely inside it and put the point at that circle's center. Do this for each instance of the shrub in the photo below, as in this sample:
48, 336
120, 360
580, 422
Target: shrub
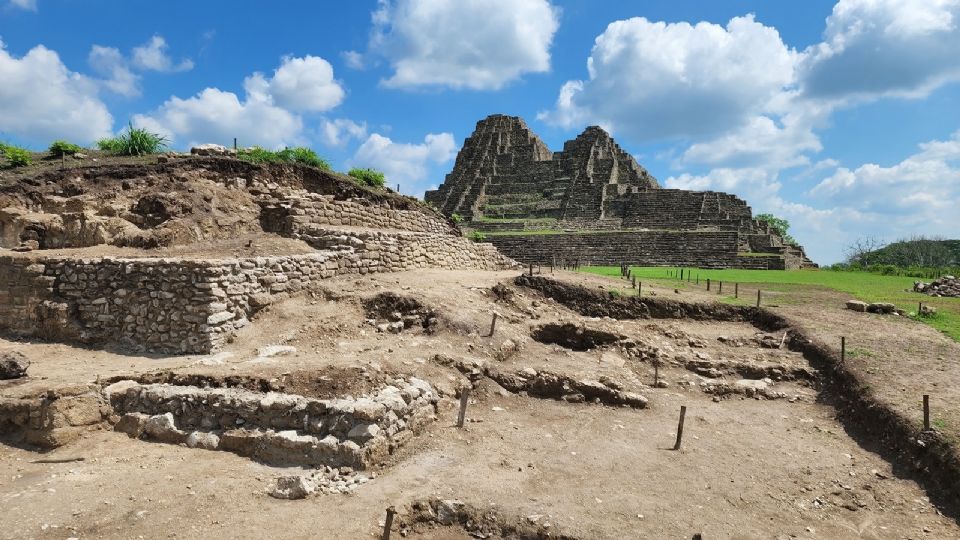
135, 142
63, 148
299, 154
370, 177
478, 236
456, 218
16, 156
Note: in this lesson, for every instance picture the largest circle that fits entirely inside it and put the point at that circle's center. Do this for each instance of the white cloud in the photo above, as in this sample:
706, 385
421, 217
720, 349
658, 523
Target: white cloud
654, 80
401, 162
152, 56
874, 48
353, 59
216, 116
29, 5
923, 189
475, 44
300, 84
761, 142
341, 130
41, 100
109, 63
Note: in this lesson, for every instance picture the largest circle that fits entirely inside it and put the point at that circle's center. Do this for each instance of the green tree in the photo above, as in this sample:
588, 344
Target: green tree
781, 225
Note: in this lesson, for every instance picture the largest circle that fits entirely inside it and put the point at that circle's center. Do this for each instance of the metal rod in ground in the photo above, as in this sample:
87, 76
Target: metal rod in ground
926, 412
758, 297
493, 323
736, 290
464, 397
843, 348
683, 414
388, 523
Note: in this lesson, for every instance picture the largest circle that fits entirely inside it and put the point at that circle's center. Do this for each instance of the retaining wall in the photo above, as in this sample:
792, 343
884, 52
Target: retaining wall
192, 306
645, 248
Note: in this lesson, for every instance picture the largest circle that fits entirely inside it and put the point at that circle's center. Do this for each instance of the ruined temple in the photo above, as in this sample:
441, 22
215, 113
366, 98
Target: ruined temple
592, 202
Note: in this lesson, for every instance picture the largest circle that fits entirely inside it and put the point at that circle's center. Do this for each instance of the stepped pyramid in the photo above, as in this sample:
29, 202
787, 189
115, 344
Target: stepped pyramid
508, 184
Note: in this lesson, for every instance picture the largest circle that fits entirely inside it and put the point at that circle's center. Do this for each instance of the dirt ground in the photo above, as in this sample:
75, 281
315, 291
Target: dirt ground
772, 466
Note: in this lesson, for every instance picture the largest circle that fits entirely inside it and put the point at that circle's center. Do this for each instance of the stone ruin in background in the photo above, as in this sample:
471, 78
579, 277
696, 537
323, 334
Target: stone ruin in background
593, 203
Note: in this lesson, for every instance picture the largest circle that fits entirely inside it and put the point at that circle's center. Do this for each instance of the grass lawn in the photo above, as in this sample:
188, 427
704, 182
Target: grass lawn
860, 285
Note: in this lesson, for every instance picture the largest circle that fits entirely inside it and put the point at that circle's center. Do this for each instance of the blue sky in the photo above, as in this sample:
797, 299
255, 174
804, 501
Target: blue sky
843, 117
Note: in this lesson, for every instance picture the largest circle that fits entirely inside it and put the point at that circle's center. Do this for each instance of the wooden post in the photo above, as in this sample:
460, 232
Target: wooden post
708, 284
926, 412
720, 289
758, 297
633, 280
398, 188
388, 523
919, 308
639, 288
464, 397
493, 323
681, 274
234, 144
531, 269
736, 290
698, 279
683, 413
843, 348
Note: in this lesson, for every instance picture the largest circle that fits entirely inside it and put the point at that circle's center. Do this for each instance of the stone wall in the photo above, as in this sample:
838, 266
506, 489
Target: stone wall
192, 306
286, 214
716, 249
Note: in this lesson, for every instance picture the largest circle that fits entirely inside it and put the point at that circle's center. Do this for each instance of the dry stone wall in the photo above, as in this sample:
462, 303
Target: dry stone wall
193, 306
652, 248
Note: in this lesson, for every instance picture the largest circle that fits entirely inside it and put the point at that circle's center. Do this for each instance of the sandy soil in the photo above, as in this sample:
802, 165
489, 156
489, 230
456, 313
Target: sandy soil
748, 468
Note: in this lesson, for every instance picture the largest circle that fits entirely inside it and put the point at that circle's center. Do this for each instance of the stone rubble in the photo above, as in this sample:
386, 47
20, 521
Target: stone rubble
947, 286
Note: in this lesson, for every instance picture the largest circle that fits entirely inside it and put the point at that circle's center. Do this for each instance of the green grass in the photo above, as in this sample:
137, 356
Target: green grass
298, 154
372, 178
134, 142
15, 156
860, 285
63, 148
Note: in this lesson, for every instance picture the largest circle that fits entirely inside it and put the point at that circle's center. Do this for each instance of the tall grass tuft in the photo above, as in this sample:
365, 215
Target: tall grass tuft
135, 142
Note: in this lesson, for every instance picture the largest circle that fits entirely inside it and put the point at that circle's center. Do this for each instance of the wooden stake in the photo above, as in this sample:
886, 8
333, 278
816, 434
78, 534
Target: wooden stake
493, 324
708, 284
758, 297
720, 289
736, 290
633, 282
388, 523
843, 348
926, 412
683, 414
531, 269
639, 288
464, 397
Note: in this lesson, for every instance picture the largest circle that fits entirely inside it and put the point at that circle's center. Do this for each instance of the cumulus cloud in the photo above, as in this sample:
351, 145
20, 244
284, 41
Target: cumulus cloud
763, 141
475, 44
655, 80
402, 162
300, 84
109, 63
341, 130
875, 48
216, 116
924, 188
152, 56
42, 100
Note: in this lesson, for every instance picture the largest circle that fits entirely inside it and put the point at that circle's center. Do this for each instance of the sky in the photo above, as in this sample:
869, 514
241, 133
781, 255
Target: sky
842, 117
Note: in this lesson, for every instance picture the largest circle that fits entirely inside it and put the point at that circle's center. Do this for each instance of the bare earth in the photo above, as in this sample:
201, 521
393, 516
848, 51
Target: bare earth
774, 466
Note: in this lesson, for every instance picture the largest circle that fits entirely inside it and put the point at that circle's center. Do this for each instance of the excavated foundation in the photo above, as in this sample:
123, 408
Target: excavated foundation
276, 428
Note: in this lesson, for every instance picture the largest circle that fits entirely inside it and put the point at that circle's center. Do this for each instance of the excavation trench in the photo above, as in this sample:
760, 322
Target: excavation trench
927, 456
433, 517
